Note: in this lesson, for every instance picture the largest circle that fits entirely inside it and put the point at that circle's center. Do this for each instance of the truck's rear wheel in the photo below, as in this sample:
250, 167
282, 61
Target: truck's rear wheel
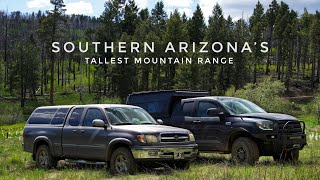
44, 159
122, 162
290, 156
244, 151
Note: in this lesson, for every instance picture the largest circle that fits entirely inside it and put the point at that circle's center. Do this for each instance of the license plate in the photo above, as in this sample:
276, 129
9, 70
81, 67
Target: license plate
179, 155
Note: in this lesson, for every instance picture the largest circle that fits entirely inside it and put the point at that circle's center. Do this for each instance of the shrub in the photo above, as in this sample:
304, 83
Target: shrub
314, 107
266, 94
10, 113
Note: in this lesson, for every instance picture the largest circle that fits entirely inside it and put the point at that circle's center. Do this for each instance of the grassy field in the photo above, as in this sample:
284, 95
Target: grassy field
16, 164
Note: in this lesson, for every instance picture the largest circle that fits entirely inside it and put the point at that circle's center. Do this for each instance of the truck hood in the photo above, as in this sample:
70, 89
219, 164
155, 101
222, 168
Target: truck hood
269, 116
152, 129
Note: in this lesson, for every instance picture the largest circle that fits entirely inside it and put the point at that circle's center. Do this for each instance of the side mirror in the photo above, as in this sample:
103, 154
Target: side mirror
214, 112
98, 123
159, 121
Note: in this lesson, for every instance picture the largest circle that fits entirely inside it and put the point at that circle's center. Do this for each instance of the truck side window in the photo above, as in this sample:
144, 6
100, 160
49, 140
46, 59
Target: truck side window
75, 117
42, 116
203, 108
187, 108
91, 115
59, 116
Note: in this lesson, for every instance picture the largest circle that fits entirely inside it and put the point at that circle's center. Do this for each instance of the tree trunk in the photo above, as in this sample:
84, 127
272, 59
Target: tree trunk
313, 69
21, 79
270, 50
62, 69
105, 81
89, 83
278, 61
6, 54
52, 56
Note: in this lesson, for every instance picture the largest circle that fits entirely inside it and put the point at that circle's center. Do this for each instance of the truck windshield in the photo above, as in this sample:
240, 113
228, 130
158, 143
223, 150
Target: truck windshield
240, 106
129, 116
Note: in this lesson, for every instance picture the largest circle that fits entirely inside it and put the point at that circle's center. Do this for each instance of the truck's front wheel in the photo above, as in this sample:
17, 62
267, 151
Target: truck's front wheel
44, 159
122, 162
244, 151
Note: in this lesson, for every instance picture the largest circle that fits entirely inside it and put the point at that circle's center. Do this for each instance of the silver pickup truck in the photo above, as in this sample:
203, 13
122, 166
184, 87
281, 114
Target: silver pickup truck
121, 136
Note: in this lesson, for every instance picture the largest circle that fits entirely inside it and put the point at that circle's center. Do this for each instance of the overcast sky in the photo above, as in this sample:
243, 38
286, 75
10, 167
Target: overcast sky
235, 8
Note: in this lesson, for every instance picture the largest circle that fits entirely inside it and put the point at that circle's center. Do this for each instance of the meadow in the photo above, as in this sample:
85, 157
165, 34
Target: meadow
16, 164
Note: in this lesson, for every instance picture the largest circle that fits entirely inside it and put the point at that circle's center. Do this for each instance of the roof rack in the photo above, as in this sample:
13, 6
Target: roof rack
176, 90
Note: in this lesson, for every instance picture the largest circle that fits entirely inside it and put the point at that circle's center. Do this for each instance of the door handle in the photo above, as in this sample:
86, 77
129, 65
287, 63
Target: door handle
74, 131
196, 121
82, 131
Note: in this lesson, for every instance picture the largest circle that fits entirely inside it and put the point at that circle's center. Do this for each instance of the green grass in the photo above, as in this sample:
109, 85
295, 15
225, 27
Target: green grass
16, 164
13, 126
310, 120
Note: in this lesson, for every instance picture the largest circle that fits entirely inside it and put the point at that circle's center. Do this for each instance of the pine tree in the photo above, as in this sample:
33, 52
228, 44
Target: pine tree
124, 74
109, 31
159, 15
315, 45
48, 31
158, 18
130, 18
197, 26
257, 25
144, 14
240, 73
271, 15
175, 33
141, 35
214, 33
305, 23
289, 35
280, 25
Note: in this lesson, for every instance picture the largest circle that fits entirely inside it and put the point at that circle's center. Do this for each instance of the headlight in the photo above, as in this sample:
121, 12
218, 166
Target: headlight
191, 137
147, 138
151, 139
265, 125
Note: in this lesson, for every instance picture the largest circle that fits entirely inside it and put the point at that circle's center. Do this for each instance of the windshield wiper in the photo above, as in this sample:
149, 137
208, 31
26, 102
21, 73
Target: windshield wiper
123, 123
147, 123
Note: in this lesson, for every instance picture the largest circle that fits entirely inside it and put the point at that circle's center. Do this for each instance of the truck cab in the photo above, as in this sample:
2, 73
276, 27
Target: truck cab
233, 125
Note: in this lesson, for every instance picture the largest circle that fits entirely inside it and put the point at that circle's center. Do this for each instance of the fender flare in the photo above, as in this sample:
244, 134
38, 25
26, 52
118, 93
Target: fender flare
42, 138
114, 142
233, 135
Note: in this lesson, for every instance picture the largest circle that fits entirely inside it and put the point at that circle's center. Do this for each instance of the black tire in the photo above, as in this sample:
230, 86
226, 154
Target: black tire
291, 156
122, 162
183, 165
44, 159
244, 151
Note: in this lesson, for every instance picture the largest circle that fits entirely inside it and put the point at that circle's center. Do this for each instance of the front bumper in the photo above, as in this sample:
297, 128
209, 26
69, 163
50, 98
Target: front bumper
273, 143
183, 152
282, 139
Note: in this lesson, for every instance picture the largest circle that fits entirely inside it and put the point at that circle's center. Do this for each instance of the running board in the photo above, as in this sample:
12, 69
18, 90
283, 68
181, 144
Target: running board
84, 162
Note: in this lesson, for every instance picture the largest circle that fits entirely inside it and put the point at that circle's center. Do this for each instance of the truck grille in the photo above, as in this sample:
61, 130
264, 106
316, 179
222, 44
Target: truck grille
174, 137
291, 127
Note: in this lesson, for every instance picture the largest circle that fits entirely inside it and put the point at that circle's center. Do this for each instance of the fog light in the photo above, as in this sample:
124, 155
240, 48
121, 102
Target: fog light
153, 153
272, 136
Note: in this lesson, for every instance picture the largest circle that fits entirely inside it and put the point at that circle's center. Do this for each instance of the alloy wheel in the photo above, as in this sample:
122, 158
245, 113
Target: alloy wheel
121, 164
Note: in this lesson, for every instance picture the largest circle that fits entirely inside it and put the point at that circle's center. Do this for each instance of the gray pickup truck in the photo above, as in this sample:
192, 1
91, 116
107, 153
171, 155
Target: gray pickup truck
121, 136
